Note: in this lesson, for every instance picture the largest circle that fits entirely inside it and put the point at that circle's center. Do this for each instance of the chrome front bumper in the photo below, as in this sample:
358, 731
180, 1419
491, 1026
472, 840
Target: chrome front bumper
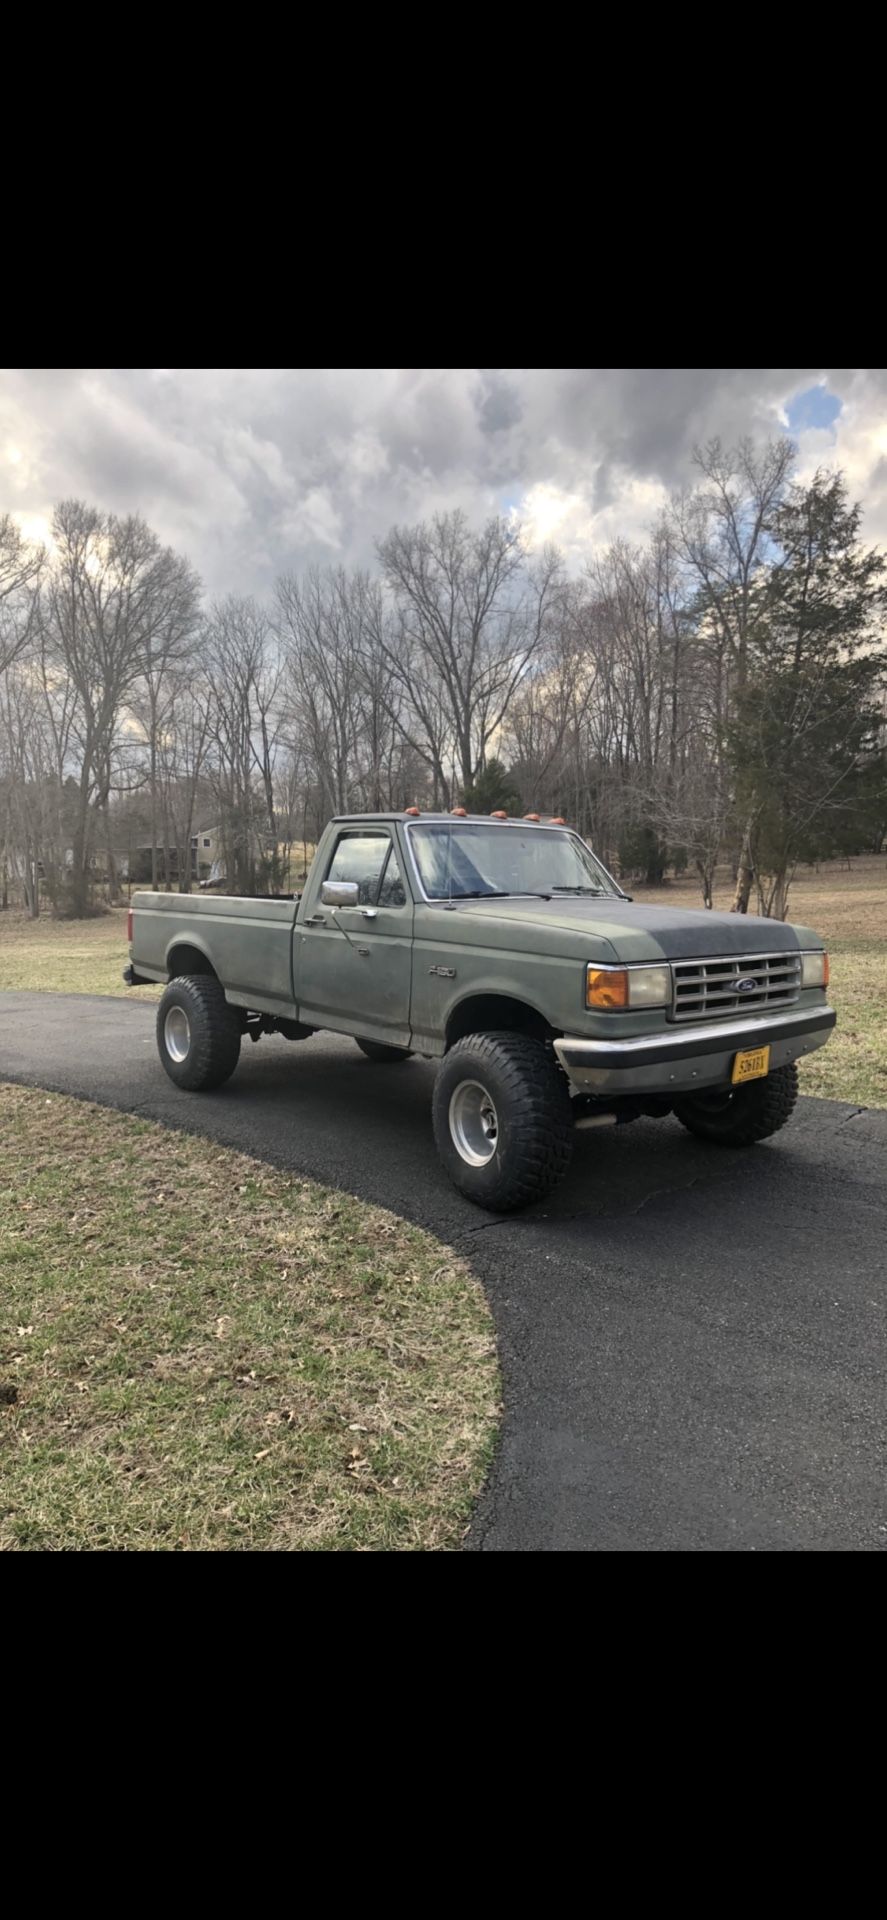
684, 1059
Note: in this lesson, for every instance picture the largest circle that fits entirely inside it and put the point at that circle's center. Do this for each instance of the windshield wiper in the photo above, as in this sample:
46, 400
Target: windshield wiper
598, 892
479, 893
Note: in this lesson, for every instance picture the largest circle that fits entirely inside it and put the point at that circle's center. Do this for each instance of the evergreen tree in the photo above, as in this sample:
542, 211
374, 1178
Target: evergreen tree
492, 790
807, 721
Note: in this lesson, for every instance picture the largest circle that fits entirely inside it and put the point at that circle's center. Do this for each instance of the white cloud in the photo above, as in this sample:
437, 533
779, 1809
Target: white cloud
250, 471
858, 444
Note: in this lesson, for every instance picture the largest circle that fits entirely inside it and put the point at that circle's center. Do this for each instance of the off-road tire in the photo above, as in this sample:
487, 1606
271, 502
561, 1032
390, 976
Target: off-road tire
534, 1129
384, 1056
213, 1033
749, 1113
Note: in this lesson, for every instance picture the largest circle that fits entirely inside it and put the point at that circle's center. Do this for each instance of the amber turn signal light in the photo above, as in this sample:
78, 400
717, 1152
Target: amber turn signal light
814, 968
606, 987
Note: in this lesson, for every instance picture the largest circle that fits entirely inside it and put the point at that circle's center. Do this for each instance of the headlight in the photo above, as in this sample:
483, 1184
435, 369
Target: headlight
609, 988
814, 970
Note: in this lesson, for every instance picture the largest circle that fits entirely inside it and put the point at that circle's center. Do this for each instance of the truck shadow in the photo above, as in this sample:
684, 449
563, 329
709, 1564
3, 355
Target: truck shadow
343, 1119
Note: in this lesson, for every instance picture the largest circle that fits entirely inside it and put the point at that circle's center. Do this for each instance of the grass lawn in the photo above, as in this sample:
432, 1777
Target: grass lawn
197, 1352
849, 911
67, 956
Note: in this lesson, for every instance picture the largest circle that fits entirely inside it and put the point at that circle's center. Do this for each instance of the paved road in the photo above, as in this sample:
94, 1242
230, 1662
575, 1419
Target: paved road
694, 1342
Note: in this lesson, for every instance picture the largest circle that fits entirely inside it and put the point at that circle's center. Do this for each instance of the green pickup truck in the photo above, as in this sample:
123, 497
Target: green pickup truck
504, 949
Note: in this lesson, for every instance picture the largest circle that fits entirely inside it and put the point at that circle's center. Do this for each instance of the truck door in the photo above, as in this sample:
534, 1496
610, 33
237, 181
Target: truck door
353, 964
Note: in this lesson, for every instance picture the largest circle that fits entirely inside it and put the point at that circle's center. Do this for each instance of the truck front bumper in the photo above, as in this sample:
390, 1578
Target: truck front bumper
686, 1059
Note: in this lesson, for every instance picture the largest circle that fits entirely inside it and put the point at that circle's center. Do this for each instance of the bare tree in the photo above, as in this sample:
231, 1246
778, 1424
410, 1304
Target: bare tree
170, 641
321, 627
108, 589
471, 616
722, 530
21, 565
25, 772
345, 702
244, 676
180, 768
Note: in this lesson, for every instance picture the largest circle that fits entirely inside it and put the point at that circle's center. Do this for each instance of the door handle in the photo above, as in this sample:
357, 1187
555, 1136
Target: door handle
316, 920
369, 913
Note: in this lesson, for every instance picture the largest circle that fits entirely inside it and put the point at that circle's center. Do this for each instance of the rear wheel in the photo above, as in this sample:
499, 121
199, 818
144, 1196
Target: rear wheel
198, 1034
740, 1116
502, 1119
386, 1056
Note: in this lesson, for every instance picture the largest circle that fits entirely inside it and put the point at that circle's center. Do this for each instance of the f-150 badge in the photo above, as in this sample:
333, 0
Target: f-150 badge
444, 973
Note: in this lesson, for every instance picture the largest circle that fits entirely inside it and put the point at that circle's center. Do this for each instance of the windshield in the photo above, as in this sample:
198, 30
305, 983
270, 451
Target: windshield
464, 860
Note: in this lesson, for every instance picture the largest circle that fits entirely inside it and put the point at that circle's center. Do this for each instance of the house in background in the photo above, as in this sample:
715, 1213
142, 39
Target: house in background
206, 848
204, 855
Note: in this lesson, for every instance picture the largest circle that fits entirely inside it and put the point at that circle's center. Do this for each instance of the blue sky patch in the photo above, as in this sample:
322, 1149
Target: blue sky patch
815, 407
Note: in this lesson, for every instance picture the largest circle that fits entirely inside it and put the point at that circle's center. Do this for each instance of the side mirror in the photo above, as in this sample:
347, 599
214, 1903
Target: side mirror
340, 893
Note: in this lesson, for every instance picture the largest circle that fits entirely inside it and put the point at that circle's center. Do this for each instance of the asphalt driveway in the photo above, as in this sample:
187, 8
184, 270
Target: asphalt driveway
694, 1342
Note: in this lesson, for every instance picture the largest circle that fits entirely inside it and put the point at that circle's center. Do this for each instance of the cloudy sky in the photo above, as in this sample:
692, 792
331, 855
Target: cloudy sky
250, 471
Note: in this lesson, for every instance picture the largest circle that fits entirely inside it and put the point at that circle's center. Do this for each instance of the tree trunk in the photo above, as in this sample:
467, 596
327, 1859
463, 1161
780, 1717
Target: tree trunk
745, 876
153, 725
705, 883
80, 861
774, 902
113, 880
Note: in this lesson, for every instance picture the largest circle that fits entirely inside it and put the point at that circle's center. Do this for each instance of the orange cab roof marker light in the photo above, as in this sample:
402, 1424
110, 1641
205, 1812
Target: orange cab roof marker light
531, 816
413, 811
459, 813
498, 815
558, 821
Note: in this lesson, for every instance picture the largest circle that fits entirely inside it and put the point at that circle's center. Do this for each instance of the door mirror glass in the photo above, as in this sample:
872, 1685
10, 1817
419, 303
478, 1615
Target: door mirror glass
340, 893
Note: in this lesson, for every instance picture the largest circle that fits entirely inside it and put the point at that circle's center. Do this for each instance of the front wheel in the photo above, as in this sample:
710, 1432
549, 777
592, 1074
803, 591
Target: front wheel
386, 1056
198, 1034
502, 1119
740, 1116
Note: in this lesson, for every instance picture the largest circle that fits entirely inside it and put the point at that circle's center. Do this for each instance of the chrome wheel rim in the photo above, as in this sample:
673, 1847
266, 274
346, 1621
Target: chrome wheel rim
177, 1034
474, 1124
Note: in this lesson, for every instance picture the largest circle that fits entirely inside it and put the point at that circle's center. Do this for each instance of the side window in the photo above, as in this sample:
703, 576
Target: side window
392, 892
361, 857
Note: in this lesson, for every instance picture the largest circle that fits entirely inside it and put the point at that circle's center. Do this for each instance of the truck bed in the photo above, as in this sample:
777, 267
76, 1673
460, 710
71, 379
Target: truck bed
247, 940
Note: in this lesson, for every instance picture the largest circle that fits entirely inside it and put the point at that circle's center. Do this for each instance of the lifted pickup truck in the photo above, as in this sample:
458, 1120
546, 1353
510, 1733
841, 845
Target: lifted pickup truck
504, 949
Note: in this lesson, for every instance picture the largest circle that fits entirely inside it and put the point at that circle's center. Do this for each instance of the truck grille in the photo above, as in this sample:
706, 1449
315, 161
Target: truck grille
705, 989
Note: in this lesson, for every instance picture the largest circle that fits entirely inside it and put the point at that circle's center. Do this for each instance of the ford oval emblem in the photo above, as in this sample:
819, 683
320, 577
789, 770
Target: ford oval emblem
746, 985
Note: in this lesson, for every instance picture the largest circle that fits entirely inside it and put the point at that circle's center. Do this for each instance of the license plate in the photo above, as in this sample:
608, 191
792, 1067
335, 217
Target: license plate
753, 1064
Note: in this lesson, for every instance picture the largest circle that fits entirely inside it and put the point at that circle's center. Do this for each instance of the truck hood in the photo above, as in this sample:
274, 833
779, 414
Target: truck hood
636, 932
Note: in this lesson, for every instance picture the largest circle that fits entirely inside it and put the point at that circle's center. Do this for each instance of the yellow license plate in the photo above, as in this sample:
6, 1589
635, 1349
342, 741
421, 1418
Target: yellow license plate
751, 1065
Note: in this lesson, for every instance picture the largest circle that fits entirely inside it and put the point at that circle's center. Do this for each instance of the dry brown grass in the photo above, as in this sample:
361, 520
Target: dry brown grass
66, 956
197, 1352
